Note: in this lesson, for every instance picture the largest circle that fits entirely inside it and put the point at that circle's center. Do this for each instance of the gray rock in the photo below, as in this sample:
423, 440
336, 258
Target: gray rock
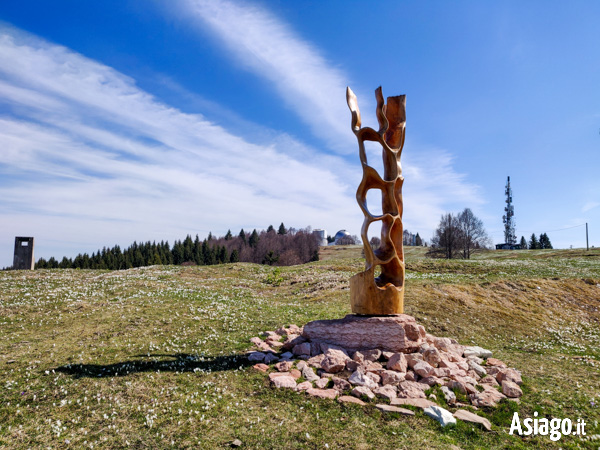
443, 416
359, 378
476, 351
270, 358
361, 391
449, 395
256, 356
309, 374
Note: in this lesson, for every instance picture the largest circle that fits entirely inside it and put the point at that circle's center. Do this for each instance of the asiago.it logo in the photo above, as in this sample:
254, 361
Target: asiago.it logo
556, 428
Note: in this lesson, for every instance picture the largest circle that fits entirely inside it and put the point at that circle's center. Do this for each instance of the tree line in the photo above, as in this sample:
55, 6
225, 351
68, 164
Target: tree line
283, 247
536, 244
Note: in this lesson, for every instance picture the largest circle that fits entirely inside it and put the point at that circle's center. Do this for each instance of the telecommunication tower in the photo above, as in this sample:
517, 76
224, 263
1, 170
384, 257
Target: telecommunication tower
507, 219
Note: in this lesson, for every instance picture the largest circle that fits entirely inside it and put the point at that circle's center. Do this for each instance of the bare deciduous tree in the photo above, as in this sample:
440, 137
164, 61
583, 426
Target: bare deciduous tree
458, 236
472, 235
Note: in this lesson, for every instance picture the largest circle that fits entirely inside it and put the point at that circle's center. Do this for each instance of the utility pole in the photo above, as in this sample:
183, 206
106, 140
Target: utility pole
587, 242
507, 219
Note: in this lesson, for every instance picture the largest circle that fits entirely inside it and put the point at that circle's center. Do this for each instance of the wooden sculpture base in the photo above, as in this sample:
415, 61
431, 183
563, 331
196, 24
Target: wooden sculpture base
371, 300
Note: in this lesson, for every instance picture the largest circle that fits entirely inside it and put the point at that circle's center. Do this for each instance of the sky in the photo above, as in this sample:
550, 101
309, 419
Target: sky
131, 120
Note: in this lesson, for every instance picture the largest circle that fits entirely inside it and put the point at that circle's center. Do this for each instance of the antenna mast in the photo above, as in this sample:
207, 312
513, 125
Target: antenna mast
507, 219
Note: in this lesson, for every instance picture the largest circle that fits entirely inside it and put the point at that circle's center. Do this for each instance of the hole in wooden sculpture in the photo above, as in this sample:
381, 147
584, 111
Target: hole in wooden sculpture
374, 151
377, 272
374, 234
374, 202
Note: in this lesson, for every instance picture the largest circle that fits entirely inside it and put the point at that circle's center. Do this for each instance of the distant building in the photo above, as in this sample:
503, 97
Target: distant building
409, 238
506, 246
23, 259
322, 234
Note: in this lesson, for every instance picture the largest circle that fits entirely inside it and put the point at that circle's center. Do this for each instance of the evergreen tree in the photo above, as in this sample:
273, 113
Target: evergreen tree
242, 236
545, 241
253, 240
523, 243
210, 236
188, 249
235, 256
533, 243
223, 256
418, 240
270, 229
228, 236
282, 229
270, 258
66, 263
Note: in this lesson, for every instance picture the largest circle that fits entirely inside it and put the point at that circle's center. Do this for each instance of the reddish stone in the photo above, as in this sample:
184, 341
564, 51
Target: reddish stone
284, 366
511, 389
417, 402
350, 399
495, 362
322, 383
334, 361
395, 409
274, 375
413, 359
361, 391
468, 416
432, 356
341, 385
397, 333
411, 389
488, 379
397, 362
322, 393
510, 375
388, 392
284, 382
423, 369
261, 367
391, 377
295, 373
305, 385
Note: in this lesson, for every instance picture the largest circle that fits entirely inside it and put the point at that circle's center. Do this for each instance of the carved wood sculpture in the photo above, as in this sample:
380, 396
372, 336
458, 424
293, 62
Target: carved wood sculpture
382, 295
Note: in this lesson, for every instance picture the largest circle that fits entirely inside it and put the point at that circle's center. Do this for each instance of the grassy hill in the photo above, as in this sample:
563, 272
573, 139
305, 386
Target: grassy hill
151, 357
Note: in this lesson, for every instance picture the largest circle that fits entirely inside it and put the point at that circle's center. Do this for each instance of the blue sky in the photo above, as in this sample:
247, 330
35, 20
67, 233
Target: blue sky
137, 120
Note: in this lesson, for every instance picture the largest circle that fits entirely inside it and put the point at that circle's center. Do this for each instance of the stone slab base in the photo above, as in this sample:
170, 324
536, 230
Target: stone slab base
396, 333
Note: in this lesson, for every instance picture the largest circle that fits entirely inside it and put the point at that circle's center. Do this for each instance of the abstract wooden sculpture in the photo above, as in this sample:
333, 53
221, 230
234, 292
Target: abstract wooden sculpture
382, 295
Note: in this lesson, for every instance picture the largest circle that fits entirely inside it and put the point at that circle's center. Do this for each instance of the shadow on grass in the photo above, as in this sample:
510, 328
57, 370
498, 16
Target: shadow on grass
179, 362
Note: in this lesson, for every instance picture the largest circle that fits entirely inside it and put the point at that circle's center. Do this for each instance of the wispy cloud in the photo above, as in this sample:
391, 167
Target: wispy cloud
82, 144
88, 159
268, 47
589, 206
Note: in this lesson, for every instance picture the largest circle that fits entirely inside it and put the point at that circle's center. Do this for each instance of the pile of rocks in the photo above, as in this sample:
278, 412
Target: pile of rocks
358, 359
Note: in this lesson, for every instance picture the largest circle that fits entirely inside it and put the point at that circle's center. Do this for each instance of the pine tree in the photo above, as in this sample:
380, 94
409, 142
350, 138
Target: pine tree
242, 236
418, 240
544, 241
533, 243
253, 240
282, 229
270, 229
228, 236
523, 243
235, 256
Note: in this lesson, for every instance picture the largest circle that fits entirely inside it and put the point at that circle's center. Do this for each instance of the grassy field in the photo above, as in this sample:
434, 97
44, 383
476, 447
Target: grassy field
152, 357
